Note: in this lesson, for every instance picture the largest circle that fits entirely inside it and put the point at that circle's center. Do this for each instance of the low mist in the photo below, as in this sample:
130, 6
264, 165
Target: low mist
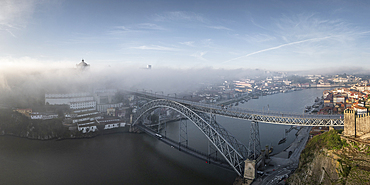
26, 85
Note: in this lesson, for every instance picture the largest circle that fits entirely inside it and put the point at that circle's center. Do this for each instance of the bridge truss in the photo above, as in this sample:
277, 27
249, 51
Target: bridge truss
233, 151
257, 116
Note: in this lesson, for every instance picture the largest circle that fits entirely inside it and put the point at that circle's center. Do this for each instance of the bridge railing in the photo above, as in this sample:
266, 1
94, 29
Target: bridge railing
242, 110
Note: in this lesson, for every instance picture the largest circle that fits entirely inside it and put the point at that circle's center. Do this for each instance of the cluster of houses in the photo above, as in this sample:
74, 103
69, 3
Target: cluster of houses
37, 115
339, 99
90, 111
277, 82
84, 111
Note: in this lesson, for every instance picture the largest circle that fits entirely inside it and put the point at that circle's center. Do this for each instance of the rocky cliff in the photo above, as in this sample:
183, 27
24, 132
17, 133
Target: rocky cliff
332, 159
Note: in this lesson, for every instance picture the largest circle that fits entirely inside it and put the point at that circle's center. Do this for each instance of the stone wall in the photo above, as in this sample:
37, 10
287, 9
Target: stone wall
356, 124
362, 124
349, 122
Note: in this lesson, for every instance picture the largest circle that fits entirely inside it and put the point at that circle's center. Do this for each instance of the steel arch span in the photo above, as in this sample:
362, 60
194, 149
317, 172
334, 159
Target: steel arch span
230, 148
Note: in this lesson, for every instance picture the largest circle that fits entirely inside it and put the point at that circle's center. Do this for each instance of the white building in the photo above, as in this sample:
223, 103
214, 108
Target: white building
360, 110
43, 116
61, 99
35, 116
114, 125
82, 104
84, 113
87, 129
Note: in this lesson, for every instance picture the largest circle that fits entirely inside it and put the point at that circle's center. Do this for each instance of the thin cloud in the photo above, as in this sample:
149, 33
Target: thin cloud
155, 47
207, 42
14, 14
188, 43
254, 23
199, 55
143, 27
280, 46
308, 28
258, 38
121, 30
11, 33
219, 28
179, 16
150, 26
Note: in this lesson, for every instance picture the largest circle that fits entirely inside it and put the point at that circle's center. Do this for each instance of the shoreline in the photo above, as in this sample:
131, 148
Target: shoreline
93, 135
282, 164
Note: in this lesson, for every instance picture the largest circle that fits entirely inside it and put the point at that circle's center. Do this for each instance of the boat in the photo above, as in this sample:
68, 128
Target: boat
308, 109
282, 141
271, 150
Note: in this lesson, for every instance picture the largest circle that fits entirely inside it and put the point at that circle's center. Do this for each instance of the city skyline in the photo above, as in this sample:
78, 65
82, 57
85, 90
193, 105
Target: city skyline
271, 35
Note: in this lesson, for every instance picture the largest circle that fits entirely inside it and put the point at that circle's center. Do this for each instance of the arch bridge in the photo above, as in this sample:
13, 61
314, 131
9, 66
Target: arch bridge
232, 150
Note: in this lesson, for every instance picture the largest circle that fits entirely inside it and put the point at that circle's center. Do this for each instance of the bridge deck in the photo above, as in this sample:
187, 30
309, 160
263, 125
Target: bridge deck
247, 114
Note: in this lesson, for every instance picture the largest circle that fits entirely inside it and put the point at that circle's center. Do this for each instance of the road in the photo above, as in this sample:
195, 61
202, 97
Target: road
280, 166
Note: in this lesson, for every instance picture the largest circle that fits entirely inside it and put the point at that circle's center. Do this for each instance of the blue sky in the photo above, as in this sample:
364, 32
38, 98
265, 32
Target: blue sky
273, 35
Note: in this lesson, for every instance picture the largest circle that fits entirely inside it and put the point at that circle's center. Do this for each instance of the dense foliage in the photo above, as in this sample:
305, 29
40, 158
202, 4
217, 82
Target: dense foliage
14, 123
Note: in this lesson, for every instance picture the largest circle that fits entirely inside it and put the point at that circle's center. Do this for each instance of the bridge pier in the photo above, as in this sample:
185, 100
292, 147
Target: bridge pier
183, 132
249, 171
254, 141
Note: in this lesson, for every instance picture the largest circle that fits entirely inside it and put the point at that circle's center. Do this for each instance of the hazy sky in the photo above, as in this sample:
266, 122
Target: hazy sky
268, 34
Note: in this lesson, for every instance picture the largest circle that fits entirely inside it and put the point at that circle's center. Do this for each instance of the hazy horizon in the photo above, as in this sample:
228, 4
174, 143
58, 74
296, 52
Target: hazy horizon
269, 35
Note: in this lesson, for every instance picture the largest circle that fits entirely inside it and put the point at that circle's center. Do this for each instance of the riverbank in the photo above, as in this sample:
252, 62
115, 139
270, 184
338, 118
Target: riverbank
75, 136
280, 165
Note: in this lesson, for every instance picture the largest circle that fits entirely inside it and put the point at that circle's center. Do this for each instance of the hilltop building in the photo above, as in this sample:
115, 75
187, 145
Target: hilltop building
83, 65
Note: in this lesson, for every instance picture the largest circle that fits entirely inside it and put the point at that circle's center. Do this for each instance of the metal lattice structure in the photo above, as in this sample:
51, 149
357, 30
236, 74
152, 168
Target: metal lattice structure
253, 115
183, 132
254, 141
233, 151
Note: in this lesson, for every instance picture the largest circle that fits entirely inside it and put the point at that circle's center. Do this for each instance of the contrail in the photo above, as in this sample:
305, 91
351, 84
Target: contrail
277, 47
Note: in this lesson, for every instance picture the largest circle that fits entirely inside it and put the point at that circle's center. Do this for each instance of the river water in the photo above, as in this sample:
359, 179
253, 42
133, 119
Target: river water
128, 158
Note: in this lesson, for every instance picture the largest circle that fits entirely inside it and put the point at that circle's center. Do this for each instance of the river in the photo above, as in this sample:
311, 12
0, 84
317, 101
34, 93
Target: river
128, 158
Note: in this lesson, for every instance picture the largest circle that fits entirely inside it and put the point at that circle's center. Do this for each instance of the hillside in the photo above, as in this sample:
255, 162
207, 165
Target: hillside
16, 124
330, 158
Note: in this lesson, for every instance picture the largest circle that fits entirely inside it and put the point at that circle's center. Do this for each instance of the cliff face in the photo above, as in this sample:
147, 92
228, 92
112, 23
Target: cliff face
322, 170
346, 162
